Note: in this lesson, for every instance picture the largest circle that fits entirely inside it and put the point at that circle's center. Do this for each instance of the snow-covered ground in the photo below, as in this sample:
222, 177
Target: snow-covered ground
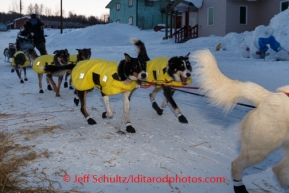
205, 147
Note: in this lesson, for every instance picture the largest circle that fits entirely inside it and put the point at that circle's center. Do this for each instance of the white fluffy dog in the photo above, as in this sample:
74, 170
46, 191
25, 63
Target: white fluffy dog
262, 130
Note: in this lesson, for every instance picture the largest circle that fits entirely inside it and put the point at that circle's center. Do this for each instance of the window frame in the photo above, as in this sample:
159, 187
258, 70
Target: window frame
246, 16
149, 3
130, 20
118, 6
130, 3
281, 2
208, 16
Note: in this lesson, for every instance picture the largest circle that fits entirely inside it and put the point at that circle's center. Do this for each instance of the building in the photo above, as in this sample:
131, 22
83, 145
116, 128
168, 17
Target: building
144, 14
224, 16
3, 27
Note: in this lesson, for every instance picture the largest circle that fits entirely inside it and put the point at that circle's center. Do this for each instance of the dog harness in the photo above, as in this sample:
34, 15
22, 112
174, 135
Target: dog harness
156, 70
27, 62
101, 74
41, 61
73, 59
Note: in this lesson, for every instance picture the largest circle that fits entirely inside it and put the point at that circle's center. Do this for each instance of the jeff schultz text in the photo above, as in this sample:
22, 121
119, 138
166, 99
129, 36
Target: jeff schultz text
94, 178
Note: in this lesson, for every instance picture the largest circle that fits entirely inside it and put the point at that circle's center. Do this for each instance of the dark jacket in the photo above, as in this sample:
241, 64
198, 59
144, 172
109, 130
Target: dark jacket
37, 30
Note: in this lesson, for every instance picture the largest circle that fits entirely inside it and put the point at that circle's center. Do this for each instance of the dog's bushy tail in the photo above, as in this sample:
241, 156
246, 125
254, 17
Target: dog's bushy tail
142, 52
223, 91
53, 69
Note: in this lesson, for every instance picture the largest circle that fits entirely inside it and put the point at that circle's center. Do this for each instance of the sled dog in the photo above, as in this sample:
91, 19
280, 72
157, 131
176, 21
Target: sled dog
263, 129
165, 72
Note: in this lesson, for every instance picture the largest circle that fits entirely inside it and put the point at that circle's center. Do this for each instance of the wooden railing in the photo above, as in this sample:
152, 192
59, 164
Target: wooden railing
186, 33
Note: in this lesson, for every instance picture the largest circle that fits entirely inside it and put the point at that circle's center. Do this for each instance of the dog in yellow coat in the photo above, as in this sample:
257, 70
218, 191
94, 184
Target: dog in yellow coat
110, 78
20, 61
165, 73
59, 58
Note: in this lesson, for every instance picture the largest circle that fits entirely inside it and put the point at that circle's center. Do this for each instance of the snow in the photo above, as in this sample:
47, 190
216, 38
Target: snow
205, 147
197, 3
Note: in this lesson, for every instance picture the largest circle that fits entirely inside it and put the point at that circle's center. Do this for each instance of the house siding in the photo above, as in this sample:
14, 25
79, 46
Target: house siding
259, 13
151, 16
219, 17
144, 17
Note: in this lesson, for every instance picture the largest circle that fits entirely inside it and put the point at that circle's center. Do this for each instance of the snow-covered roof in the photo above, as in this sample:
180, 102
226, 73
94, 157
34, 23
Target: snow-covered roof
197, 3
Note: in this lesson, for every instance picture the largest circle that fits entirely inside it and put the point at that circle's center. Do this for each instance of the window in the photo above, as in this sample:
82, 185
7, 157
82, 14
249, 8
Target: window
118, 6
284, 5
149, 3
130, 20
210, 19
130, 3
243, 14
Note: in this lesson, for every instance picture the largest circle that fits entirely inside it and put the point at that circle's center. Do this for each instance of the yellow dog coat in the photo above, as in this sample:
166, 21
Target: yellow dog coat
156, 70
27, 62
101, 74
40, 62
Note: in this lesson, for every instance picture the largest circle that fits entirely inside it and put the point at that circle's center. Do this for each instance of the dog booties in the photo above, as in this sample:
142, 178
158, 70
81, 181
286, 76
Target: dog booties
101, 74
40, 62
27, 62
156, 69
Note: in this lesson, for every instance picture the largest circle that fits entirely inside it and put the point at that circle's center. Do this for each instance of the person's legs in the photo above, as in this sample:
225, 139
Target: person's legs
41, 48
274, 44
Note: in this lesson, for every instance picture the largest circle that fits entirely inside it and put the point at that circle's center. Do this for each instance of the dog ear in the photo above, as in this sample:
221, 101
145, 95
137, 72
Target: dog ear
127, 57
55, 52
187, 56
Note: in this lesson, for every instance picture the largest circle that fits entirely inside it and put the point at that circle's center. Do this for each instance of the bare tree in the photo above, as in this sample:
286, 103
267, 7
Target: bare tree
14, 7
47, 11
41, 9
36, 8
30, 9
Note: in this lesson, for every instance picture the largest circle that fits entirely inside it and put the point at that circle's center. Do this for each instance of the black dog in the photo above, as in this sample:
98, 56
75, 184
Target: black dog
83, 54
20, 61
59, 58
166, 73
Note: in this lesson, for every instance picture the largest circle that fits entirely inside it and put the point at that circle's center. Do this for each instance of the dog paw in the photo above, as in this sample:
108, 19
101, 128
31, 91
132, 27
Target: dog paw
57, 95
25, 79
65, 84
91, 121
104, 115
240, 189
157, 108
12, 70
21, 81
183, 119
130, 129
49, 87
76, 101
41, 91
70, 87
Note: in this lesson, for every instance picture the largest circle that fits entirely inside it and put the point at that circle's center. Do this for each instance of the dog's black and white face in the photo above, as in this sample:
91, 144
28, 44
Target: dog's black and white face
61, 57
83, 54
19, 60
180, 68
132, 69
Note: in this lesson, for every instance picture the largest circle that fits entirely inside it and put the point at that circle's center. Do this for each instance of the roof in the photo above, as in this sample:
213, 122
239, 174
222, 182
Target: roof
197, 3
